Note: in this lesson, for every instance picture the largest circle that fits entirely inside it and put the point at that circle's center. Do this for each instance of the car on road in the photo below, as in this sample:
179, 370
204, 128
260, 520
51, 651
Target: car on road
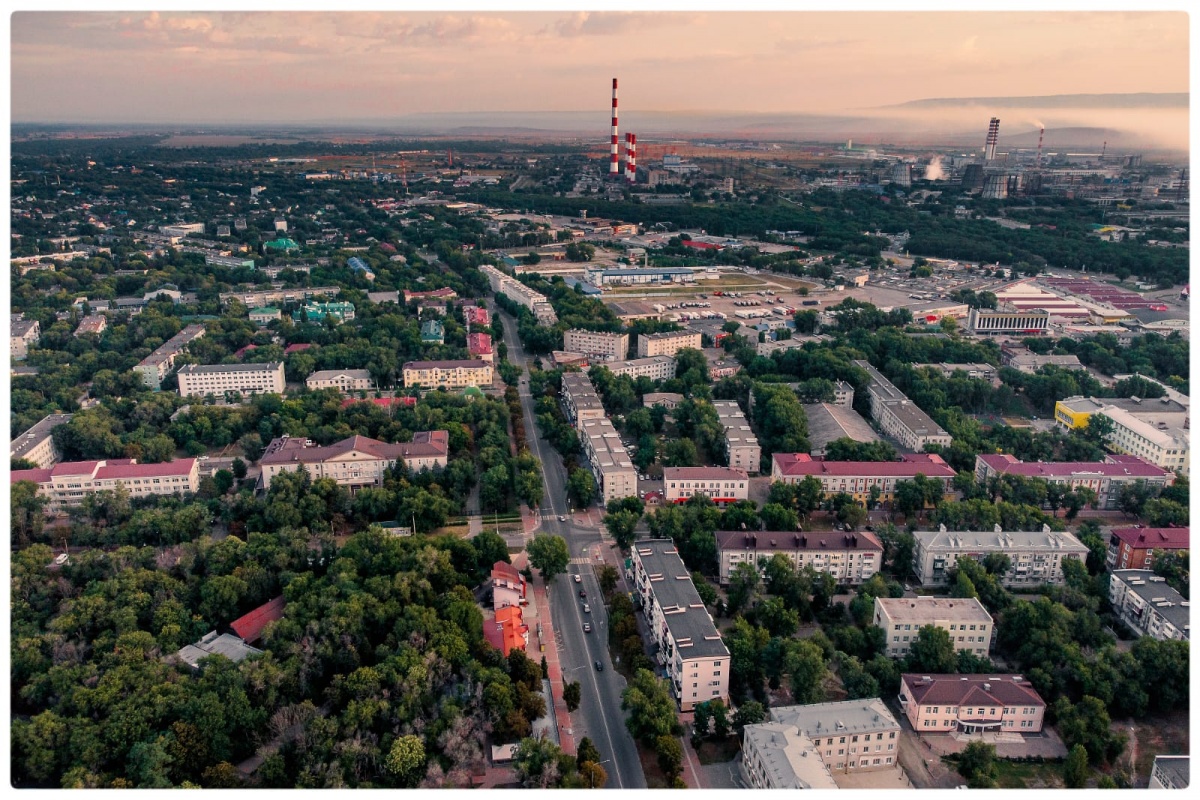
587, 609
599, 667
578, 578
562, 518
587, 627
583, 593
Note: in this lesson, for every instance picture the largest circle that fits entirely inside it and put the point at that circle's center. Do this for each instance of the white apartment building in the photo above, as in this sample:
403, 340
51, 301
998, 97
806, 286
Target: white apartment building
279, 296
36, 445
354, 462
66, 484
688, 643
521, 294
22, 333
1144, 602
1170, 772
742, 450
156, 366
848, 736
598, 345
1036, 556
1157, 442
899, 417
217, 379
965, 619
723, 484
667, 343
344, 380
447, 374
851, 558
580, 399
656, 368
777, 756
616, 477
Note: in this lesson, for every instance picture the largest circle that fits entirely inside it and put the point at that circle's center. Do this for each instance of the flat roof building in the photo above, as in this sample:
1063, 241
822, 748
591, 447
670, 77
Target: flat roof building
36, 445
656, 368
1036, 556
616, 477
742, 450
599, 345
1153, 440
220, 379
864, 729
1143, 601
1007, 319
777, 756
965, 619
828, 422
92, 324
723, 484
667, 343
899, 417
1074, 412
156, 366
1170, 772
580, 399
851, 558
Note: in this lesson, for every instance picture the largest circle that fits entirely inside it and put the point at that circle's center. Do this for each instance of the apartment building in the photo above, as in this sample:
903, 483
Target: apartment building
723, 484
899, 417
849, 736
857, 478
656, 368
1075, 412
851, 558
1007, 319
66, 484
1151, 439
1029, 363
742, 450
1133, 548
983, 372
156, 366
1036, 556
344, 380
828, 422
580, 400
688, 644
479, 345
965, 619
278, 296
447, 374
777, 756
1105, 477
520, 294
667, 343
92, 324
355, 462
616, 477
265, 315
1144, 602
1170, 772
598, 345
36, 445
218, 379
971, 704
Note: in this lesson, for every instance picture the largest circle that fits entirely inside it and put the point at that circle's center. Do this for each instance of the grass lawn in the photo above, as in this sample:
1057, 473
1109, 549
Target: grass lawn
719, 751
1014, 775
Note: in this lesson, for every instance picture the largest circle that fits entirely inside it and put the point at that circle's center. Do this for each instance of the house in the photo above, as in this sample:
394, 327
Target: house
508, 586
985, 703
355, 462
506, 630
344, 380
250, 626
1133, 548
264, 315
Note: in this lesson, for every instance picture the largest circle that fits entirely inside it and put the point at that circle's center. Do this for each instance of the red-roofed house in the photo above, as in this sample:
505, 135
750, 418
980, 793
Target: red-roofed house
241, 351
479, 345
857, 477
508, 586
250, 627
68, 483
971, 703
296, 348
474, 315
1133, 548
1105, 477
507, 630
357, 461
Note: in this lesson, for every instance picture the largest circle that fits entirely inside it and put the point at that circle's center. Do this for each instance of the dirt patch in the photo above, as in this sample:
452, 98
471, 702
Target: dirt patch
655, 779
719, 751
1160, 735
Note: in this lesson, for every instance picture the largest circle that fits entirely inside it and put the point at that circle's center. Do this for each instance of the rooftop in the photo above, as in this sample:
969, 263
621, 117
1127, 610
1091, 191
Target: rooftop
269, 366
827, 423
704, 474
930, 465
985, 690
250, 626
828, 719
211, 644
788, 541
35, 435
1089, 405
789, 757
690, 624
1044, 539
1153, 538
1111, 467
1154, 591
330, 374
927, 609
468, 364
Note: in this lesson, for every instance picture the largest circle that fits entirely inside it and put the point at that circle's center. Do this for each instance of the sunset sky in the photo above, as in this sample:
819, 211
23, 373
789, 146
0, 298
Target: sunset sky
290, 67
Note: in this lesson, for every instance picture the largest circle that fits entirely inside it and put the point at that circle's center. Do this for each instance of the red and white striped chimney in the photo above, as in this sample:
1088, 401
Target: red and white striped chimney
631, 157
614, 165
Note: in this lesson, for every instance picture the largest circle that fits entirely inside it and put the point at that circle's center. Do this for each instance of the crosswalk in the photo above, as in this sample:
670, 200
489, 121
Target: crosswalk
581, 560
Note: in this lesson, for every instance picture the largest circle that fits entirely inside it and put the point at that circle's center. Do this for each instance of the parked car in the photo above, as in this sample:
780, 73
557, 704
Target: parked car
587, 609
562, 518
583, 593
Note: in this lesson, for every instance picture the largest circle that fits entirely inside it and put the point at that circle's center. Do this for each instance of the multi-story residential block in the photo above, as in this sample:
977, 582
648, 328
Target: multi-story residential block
66, 484
971, 704
447, 374
688, 644
828, 422
1150, 439
1144, 602
92, 324
667, 343
851, 558
849, 736
479, 345
858, 477
1036, 556
843, 394
1029, 363
580, 400
432, 332
984, 372
1075, 412
265, 315
1170, 772
318, 312
278, 296
723, 484
899, 417
777, 756
656, 368
616, 477
36, 445
1007, 319
521, 294
218, 379
233, 262
354, 462
742, 450
965, 619
156, 366
1133, 548
344, 380
22, 333
1105, 477
598, 345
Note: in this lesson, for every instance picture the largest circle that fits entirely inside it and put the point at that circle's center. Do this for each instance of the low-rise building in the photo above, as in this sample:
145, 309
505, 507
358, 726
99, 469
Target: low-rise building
1143, 601
432, 332
265, 315
687, 642
211, 644
22, 333
1170, 772
723, 484
443, 294
1074, 413
778, 756
656, 368
850, 736
983, 372
384, 297
742, 450
667, 343
156, 366
1133, 548
476, 316
219, 379
36, 445
599, 345
1105, 478
899, 417
580, 400
355, 462
479, 345
506, 630
1008, 320
318, 312
92, 325
1029, 362
344, 380
964, 618
447, 374
233, 262
616, 477
828, 423
66, 484
278, 295
851, 558
668, 400
857, 478
971, 704
1036, 556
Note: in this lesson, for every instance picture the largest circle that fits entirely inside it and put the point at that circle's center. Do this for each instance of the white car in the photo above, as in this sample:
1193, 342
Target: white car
587, 609
578, 578
562, 518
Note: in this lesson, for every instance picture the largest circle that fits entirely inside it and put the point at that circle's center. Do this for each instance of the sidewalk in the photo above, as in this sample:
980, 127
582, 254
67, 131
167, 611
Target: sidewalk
539, 610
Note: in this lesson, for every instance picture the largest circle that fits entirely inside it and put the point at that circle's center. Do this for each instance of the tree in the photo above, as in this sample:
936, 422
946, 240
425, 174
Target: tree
670, 756
592, 775
681, 453
571, 695
1087, 724
1075, 771
744, 585
549, 554
406, 760
587, 751
536, 761
651, 708
622, 527
775, 517
805, 664
581, 486
977, 763
608, 579
239, 469
932, 651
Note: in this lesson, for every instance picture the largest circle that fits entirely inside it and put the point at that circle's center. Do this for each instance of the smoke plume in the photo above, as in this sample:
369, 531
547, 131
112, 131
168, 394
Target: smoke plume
934, 171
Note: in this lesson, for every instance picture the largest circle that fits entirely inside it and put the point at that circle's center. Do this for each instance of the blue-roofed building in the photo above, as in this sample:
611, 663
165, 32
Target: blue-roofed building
584, 286
432, 332
600, 276
358, 265
509, 261
317, 312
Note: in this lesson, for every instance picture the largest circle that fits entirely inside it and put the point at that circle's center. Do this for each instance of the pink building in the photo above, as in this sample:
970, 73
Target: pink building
508, 586
971, 704
67, 484
479, 345
1105, 477
474, 315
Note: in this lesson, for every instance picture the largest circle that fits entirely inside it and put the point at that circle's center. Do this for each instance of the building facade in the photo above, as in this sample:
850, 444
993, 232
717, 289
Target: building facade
598, 345
279, 296
1170, 772
447, 374
1158, 443
344, 380
317, 312
520, 294
1143, 601
1007, 320
965, 619
66, 484
971, 704
1073, 413
899, 417
616, 477
666, 344
858, 478
355, 462
656, 368
851, 558
218, 379
777, 756
1036, 556
1105, 478
36, 445
265, 315
156, 366
1133, 548
742, 450
849, 736
580, 400
724, 485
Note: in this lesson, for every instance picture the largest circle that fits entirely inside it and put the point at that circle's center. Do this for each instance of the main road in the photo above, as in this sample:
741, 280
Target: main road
599, 716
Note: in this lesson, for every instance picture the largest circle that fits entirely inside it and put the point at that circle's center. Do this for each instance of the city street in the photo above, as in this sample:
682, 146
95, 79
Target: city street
599, 716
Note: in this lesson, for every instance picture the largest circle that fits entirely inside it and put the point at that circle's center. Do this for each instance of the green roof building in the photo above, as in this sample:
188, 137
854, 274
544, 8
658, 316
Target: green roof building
282, 243
432, 332
316, 312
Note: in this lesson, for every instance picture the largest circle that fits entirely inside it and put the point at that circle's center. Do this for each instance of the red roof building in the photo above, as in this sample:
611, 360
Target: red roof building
1133, 548
857, 478
479, 345
507, 630
508, 586
1105, 477
296, 348
971, 703
356, 461
474, 315
250, 627
68, 483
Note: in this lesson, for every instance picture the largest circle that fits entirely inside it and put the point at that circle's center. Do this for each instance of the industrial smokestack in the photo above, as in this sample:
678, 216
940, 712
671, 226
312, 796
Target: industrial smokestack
631, 157
989, 147
1039, 153
614, 168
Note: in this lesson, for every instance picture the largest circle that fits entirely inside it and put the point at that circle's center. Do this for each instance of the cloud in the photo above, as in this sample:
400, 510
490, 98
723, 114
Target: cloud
589, 23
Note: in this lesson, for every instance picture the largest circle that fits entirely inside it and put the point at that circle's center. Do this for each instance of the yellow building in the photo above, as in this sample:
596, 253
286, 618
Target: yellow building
447, 374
